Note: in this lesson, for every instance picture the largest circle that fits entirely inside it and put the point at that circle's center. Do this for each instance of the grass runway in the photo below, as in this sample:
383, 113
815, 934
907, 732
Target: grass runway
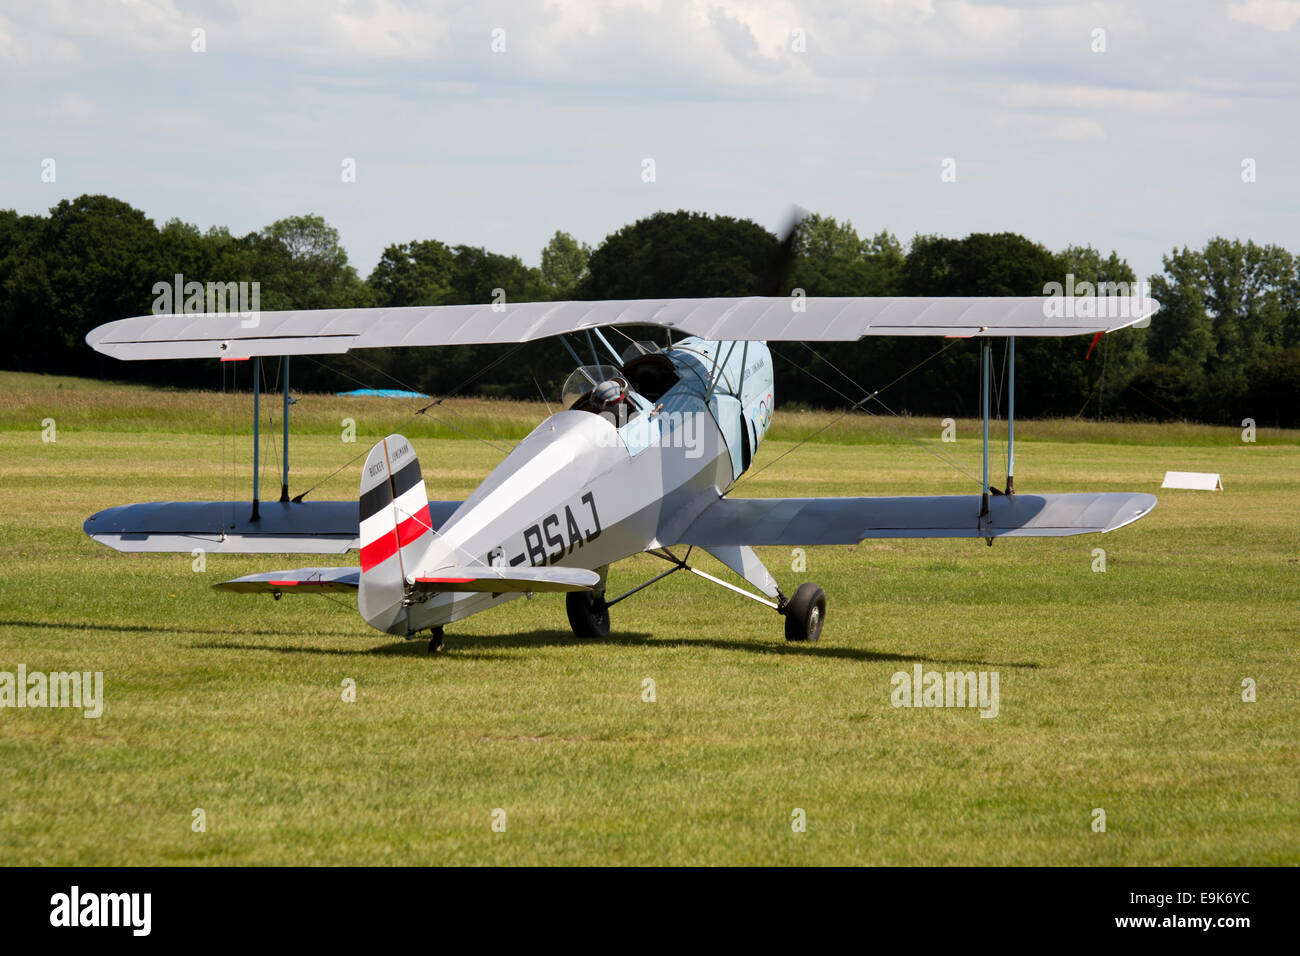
1119, 691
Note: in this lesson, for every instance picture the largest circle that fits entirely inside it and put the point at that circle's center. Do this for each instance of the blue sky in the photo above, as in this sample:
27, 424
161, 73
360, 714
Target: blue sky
1137, 148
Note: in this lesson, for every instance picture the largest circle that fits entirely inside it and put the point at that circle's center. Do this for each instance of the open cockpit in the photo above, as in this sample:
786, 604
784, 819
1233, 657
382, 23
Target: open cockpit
621, 393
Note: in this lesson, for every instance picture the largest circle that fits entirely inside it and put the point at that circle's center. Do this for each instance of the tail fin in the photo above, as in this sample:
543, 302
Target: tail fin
396, 531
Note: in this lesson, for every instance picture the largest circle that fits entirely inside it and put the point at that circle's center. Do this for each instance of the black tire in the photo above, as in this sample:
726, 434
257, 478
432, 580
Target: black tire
805, 614
435, 640
588, 613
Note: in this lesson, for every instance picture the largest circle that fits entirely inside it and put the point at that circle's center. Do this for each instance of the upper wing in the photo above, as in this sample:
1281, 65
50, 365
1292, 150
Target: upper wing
809, 521
225, 527
755, 318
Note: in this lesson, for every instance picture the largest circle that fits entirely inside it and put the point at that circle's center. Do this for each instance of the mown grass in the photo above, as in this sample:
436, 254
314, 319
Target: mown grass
1119, 690
26, 399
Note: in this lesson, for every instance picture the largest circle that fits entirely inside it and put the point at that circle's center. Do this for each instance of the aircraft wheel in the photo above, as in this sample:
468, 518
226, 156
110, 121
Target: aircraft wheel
805, 614
588, 613
435, 640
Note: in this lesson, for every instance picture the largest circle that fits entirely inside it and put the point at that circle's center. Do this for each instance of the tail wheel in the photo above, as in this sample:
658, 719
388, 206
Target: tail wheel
805, 614
588, 613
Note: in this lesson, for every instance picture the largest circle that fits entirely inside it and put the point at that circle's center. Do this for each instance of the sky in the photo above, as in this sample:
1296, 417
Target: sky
1133, 126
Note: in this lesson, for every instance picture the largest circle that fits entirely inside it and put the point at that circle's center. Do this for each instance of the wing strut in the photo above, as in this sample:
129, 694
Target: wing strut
1011, 415
986, 371
284, 473
679, 564
986, 348
257, 437
257, 442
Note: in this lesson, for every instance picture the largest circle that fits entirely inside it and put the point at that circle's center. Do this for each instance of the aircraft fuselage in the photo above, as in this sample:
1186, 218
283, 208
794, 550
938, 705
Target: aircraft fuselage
584, 491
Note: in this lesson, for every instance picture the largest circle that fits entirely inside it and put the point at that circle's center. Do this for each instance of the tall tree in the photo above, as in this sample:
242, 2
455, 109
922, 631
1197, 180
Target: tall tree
301, 264
421, 272
831, 259
1118, 358
564, 264
680, 254
93, 260
480, 274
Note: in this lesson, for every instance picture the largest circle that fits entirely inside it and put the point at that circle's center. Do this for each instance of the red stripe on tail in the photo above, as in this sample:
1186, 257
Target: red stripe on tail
379, 550
413, 527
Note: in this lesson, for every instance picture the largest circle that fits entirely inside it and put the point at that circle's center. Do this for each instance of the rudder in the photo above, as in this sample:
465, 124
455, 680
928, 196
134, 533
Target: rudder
396, 531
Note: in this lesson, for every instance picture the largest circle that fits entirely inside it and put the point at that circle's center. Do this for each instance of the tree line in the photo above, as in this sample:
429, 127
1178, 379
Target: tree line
1225, 345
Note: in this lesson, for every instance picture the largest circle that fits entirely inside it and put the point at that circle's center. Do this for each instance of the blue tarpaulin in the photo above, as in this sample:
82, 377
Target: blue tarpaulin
384, 393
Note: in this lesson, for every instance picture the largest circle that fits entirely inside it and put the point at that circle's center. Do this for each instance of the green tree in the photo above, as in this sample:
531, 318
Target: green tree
1182, 334
1249, 298
831, 259
564, 264
1050, 374
1119, 357
480, 273
301, 264
414, 273
93, 260
680, 254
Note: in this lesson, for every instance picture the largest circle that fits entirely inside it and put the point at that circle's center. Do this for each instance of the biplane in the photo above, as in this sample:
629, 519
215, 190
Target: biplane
639, 459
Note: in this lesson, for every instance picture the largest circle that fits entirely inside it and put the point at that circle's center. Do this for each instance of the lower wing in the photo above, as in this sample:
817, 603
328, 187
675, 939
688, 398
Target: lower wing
227, 527
301, 581
811, 521
505, 580
478, 579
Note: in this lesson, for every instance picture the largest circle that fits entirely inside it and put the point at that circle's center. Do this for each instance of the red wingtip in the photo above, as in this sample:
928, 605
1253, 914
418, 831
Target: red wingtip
1095, 339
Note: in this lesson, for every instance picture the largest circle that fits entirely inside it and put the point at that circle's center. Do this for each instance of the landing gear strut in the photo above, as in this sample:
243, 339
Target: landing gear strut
805, 613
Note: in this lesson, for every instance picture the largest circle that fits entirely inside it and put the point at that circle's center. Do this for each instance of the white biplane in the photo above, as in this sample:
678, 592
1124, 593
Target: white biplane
608, 476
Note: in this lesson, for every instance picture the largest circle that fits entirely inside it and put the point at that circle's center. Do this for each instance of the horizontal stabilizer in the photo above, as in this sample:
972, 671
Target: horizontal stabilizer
505, 580
301, 581
812, 521
224, 527
753, 318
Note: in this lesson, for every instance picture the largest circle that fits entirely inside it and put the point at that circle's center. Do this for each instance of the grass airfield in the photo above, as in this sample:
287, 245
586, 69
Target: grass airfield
1119, 690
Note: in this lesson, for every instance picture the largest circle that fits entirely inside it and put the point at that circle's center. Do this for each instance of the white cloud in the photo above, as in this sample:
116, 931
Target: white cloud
457, 142
1278, 16
27, 48
1046, 128
1042, 96
72, 108
171, 121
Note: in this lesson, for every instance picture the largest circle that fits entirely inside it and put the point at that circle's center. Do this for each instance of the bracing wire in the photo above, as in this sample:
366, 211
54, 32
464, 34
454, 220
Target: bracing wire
917, 439
868, 396
424, 410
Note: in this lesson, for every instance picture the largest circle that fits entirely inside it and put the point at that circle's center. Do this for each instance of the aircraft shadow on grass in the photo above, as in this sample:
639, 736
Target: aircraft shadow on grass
476, 646
473, 646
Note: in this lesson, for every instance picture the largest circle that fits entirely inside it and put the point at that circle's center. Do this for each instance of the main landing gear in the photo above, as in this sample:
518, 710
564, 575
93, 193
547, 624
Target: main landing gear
435, 640
588, 613
804, 613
